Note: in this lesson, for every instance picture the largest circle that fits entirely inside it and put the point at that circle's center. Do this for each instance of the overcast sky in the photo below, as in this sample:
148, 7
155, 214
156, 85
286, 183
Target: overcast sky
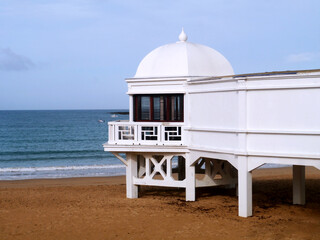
76, 54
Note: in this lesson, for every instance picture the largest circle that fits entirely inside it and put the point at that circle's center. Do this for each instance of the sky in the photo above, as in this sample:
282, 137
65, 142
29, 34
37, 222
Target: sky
76, 54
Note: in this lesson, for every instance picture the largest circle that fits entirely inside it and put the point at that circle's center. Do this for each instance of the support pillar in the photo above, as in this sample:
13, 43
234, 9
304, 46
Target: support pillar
298, 173
141, 165
207, 169
244, 188
131, 171
190, 181
181, 168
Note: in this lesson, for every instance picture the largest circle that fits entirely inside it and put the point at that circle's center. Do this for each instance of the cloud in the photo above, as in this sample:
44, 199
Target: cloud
10, 61
303, 57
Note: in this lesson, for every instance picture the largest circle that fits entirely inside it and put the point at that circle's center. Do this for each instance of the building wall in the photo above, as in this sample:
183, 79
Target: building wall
266, 114
280, 112
213, 115
283, 115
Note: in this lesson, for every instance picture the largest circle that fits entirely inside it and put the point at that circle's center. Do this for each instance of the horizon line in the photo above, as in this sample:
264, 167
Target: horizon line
75, 109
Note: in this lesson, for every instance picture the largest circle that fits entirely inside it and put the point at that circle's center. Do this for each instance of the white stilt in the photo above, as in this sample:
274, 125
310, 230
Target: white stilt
190, 182
298, 184
181, 168
237, 190
131, 171
244, 188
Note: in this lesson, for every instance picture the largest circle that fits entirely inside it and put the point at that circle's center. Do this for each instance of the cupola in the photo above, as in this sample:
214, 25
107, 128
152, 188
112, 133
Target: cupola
183, 59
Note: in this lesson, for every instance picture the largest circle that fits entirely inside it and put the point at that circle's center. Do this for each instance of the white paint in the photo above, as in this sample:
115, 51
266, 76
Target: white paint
120, 158
190, 181
183, 59
245, 120
131, 172
131, 110
139, 133
183, 36
217, 167
244, 188
151, 169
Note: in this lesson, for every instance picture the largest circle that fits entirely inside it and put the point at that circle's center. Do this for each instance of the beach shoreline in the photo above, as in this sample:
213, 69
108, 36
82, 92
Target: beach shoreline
97, 208
54, 182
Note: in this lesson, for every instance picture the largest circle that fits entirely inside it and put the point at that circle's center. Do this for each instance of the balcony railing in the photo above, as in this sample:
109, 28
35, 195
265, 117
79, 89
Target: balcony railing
145, 133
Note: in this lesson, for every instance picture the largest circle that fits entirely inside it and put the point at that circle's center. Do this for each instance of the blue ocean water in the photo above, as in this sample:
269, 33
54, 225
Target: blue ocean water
56, 144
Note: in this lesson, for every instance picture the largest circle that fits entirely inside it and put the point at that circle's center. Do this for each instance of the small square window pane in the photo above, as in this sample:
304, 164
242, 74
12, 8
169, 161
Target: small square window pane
145, 108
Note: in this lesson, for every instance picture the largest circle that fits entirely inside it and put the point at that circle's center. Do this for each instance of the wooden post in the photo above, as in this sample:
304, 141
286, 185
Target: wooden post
131, 171
141, 165
207, 170
244, 188
190, 180
181, 168
298, 173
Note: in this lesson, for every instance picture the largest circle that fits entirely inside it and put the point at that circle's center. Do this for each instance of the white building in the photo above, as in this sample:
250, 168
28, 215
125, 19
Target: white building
193, 123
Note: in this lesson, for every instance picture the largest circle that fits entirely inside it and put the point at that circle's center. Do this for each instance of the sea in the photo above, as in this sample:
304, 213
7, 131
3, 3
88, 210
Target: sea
57, 144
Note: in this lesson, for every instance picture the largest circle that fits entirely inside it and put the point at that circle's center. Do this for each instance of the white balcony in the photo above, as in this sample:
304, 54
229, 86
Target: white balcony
145, 133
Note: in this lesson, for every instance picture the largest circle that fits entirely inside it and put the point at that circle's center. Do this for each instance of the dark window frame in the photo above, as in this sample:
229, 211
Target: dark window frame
167, 107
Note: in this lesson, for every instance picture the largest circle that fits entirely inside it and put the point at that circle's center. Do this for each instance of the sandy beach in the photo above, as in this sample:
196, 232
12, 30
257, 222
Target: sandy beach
96, 208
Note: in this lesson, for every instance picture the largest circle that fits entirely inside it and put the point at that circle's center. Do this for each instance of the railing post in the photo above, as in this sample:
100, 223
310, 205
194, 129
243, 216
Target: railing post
159, 137
136, 134
162, 133
116, 133
110, 133
182, 134
111, 129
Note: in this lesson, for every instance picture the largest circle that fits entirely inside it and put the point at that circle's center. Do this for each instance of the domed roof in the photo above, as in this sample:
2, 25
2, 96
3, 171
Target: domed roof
182, 59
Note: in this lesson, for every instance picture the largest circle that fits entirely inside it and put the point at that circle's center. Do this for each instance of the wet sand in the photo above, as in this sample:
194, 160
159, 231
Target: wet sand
96, 208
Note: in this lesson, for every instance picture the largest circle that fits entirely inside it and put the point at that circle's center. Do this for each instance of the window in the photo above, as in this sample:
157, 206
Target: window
145, 108
158, 108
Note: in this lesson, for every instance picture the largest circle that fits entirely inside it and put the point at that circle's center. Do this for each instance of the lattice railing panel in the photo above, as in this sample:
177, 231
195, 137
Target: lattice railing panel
172, 133
125, 132
145, 133
149, 133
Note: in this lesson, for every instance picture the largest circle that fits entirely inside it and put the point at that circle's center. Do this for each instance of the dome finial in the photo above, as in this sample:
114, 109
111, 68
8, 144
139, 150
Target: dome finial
183, 36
